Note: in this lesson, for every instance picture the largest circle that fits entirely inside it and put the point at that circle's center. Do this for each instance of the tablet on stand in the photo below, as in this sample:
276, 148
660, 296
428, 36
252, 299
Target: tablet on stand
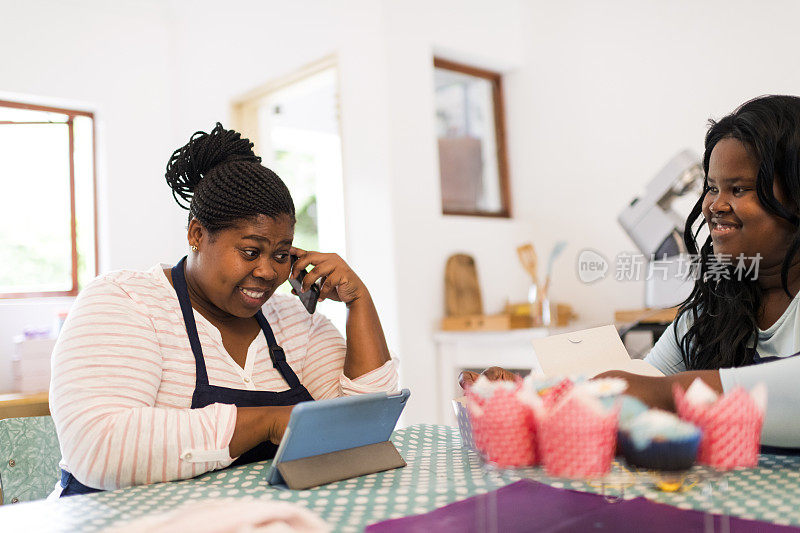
342, 438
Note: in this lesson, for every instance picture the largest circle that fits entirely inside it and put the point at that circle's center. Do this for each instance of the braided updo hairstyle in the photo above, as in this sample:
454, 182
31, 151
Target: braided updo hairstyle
218, 178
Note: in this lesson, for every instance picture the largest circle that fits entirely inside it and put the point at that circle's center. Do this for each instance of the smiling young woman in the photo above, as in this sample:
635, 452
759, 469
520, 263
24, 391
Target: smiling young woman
741, 330
172, 372
750, 207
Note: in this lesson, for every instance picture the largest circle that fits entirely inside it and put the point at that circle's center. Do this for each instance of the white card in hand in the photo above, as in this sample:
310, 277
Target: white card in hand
587, 352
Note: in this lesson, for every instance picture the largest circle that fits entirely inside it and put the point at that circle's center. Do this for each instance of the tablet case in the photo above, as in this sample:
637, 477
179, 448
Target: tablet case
344, 464
331, 440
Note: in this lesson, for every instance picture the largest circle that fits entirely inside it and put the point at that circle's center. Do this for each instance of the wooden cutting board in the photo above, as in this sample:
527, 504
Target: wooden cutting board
461, 288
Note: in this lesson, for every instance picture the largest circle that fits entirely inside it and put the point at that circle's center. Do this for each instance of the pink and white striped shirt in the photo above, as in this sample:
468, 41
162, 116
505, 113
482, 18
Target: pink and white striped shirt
123, 376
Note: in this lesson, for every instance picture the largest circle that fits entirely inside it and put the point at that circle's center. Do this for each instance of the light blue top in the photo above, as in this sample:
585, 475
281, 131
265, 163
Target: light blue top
782, 339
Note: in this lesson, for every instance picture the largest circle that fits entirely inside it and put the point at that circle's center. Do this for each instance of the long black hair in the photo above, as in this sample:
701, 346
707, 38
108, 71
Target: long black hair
218, 178
723, 313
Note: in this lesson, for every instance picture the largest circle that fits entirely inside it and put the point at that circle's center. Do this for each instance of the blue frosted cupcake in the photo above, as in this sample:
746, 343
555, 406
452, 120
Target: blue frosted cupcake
630, 408
658, 440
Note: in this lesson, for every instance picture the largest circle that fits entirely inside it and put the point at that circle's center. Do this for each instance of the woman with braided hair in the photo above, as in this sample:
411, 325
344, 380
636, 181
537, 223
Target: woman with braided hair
172, 372
737, 330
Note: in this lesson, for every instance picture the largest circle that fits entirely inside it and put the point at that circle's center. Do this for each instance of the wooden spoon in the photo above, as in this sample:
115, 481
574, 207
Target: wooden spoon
529, 260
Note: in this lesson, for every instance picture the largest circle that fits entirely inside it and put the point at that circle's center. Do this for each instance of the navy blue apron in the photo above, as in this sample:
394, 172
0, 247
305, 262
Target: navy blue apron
205, 394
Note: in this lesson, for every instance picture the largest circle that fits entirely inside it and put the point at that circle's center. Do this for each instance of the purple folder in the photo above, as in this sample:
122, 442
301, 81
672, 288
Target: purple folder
530, 506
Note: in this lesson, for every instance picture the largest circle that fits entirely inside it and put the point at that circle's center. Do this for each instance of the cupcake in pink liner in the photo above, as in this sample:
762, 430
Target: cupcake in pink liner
502, 424
535, 388
730, 424
541, 393
578, 434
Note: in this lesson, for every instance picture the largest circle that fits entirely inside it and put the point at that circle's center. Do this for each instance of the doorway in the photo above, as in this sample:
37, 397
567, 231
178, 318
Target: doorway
294, 124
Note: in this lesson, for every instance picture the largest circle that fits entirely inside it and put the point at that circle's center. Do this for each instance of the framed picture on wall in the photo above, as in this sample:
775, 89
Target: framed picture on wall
470, 128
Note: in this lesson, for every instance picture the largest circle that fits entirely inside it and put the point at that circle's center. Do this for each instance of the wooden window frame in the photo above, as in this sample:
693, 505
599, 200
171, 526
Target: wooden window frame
71, 114
495, 78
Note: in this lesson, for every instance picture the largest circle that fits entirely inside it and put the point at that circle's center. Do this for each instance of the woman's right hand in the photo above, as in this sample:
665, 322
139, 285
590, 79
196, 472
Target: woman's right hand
255, 425
493, 373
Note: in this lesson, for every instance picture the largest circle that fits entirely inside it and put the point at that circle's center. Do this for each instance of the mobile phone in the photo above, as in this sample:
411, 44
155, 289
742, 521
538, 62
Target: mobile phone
308, 298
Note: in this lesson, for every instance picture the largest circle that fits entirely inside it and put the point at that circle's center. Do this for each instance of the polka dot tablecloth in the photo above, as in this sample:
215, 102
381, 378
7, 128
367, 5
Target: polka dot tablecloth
439, 472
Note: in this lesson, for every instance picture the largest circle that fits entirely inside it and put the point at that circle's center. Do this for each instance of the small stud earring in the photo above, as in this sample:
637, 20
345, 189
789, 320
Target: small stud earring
194, 248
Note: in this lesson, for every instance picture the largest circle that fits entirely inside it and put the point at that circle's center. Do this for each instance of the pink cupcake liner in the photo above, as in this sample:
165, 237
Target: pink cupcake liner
731, 428
576, 441
503, 428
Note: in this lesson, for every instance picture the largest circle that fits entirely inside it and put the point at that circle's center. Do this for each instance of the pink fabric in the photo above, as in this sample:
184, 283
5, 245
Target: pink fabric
123, 377
230, 516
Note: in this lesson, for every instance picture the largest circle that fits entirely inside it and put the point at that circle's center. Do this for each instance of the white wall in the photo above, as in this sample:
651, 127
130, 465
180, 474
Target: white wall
475, 32
111, 58
611, 90
598, 96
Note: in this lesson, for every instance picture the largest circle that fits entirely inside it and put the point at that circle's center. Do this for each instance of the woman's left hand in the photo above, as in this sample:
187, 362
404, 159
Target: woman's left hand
339, 282
657, 391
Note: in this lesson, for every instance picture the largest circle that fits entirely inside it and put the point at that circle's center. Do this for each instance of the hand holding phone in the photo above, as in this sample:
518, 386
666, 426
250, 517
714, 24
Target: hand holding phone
331, 274
308, 298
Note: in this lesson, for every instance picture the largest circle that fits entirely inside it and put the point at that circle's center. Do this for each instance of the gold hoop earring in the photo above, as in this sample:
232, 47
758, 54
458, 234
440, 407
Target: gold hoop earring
194, 248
